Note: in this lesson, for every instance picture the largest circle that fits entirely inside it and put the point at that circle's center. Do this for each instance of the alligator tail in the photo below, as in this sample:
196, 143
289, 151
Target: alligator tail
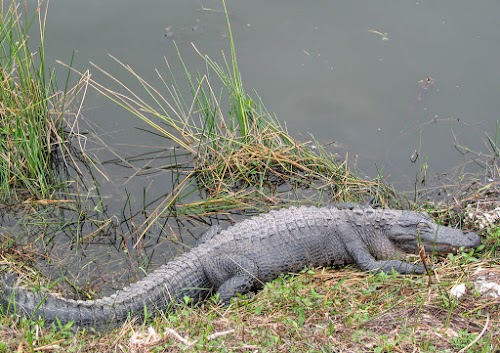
157, 291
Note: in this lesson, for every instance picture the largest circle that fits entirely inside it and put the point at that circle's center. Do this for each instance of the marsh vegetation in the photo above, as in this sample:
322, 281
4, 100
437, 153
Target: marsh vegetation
227, 155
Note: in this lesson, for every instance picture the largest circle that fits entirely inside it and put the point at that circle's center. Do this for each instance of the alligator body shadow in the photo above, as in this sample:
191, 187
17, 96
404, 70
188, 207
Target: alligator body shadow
246, 255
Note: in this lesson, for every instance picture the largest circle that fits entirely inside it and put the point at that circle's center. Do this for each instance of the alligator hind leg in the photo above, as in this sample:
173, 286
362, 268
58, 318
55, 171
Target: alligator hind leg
233, 274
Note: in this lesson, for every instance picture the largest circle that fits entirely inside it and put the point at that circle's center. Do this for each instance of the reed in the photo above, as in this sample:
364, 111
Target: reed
32, 109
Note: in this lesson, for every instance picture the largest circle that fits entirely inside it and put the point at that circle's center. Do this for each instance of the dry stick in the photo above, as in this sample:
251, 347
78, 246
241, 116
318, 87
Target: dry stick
478, 336
423, 257
163, 206
219, 334
192, 343
174, 333
48, 348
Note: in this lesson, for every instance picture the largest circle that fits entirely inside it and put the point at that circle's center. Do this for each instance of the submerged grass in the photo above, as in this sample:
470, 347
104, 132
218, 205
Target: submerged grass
32, 110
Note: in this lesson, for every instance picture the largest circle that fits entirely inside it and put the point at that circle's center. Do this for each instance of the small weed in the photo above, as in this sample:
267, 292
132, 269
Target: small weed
464, 338
494, 235
465, 257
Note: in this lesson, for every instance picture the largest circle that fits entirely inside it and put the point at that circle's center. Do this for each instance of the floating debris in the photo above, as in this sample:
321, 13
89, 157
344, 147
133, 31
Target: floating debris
383, 36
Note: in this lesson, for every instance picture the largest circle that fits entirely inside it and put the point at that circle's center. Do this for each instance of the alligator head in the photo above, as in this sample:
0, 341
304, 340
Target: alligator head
414, 229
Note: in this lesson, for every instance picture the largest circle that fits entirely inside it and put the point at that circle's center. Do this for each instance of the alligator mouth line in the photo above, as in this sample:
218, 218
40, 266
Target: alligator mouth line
446, 248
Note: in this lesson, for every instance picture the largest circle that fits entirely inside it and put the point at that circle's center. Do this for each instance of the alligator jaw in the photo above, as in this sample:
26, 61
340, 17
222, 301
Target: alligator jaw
452, 242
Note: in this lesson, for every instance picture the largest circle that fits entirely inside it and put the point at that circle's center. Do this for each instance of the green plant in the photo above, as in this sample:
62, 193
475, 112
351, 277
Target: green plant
32, 110
463, 339
494, 234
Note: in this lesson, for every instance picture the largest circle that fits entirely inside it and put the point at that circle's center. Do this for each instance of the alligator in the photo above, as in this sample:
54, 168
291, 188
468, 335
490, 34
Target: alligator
241, 258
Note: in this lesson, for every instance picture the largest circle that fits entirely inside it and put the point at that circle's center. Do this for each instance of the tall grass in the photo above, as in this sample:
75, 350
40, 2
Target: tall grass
241, 154
31, 107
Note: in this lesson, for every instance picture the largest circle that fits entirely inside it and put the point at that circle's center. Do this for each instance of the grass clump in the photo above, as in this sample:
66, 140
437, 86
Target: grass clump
241, 157
31, 108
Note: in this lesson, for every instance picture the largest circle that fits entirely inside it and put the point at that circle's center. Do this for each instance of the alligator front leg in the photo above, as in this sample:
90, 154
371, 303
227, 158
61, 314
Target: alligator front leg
365, 261
388, 266
233, 274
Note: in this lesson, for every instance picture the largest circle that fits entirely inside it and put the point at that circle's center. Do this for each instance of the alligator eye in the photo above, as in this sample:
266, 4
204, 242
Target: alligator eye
423, 225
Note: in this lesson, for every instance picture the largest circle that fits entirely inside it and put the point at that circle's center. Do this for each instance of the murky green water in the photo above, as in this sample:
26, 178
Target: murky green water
387, 80
323, 67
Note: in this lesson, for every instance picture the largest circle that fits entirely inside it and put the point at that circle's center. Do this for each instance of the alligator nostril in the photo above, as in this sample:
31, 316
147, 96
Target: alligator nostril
474, 238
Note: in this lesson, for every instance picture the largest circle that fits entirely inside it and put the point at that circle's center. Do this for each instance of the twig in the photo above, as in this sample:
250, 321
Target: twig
174, 333
192, 343
219, 334
465, 349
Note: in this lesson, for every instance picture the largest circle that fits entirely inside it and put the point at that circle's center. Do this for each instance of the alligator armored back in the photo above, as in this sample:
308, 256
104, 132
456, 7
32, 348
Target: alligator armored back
242, 257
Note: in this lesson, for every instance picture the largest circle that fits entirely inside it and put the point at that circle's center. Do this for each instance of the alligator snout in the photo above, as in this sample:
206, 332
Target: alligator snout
473, 240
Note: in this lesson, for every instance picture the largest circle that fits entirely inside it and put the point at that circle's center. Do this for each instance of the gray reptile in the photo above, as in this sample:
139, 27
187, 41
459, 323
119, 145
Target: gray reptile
249, 253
